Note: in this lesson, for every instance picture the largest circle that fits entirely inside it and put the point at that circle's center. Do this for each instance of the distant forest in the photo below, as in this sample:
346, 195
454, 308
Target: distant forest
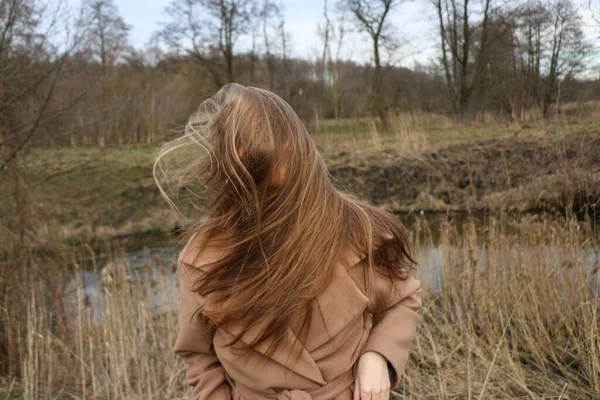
71, 78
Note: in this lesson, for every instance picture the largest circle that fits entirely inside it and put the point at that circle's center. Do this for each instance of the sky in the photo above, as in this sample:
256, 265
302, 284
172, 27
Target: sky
415, 22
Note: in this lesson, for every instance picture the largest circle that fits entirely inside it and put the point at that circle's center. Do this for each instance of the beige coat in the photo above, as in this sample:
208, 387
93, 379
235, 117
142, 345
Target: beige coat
326, 367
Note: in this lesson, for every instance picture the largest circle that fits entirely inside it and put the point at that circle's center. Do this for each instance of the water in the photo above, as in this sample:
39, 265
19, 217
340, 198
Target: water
156, 263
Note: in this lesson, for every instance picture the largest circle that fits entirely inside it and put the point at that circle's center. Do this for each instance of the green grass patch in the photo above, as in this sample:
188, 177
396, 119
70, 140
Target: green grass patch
86, 193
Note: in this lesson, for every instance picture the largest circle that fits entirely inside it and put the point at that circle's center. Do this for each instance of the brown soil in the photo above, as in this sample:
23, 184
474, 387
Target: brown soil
546, 173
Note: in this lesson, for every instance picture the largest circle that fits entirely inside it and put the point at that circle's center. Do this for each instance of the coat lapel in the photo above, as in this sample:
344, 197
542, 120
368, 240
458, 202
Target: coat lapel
304, 366
339, 304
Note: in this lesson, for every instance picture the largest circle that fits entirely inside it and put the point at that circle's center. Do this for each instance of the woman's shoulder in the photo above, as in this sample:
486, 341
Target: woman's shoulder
375, 281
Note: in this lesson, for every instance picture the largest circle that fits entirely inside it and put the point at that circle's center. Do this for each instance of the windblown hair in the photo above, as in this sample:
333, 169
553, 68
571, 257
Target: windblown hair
273, 207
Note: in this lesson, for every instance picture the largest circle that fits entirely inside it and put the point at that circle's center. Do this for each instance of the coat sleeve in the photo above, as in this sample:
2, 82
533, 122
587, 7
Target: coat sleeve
396, 327
195, 345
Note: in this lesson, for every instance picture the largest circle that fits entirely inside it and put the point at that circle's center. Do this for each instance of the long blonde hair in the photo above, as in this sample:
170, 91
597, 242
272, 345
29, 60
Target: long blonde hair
268, 192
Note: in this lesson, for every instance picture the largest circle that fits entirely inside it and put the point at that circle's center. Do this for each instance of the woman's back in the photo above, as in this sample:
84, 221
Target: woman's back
341, 330
280, 281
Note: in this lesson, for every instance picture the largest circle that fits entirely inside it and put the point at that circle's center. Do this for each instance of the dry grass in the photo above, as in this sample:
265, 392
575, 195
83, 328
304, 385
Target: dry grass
552, 173
511, 308
415, 132
108, 335
407, 133
84, 194
517, 316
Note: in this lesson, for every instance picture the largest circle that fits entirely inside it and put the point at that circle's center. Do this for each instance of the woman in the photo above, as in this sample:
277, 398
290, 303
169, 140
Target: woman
290, 288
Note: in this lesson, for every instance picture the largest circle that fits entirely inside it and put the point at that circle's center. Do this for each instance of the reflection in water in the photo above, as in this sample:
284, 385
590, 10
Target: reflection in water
432, 260
156, 264
151, 270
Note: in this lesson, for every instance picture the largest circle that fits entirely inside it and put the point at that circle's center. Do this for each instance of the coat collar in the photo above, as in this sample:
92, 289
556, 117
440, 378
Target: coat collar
337, 306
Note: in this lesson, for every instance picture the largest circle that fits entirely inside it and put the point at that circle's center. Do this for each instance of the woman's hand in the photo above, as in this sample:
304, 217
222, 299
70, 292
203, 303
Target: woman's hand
372, 380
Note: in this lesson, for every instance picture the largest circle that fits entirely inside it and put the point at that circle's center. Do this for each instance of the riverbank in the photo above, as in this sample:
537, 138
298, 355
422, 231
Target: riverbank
511, 301
546, 173
505, 315
84, 195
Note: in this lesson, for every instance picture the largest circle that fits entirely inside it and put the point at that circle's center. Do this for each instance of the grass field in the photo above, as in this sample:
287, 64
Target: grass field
513, 313
84, 194
517, 318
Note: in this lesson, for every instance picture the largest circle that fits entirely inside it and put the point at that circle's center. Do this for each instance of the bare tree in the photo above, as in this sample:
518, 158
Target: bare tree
268, 13
107, 42
567, 49
325, 33
462, 62
207, 28
593, 6
285, 67
30, 66
529, 46
531, 49
108, 33
338, 34
255, 34
371, 16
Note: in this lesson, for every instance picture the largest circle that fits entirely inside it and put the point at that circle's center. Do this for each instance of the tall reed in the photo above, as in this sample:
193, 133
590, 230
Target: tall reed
517, 313
511, 310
